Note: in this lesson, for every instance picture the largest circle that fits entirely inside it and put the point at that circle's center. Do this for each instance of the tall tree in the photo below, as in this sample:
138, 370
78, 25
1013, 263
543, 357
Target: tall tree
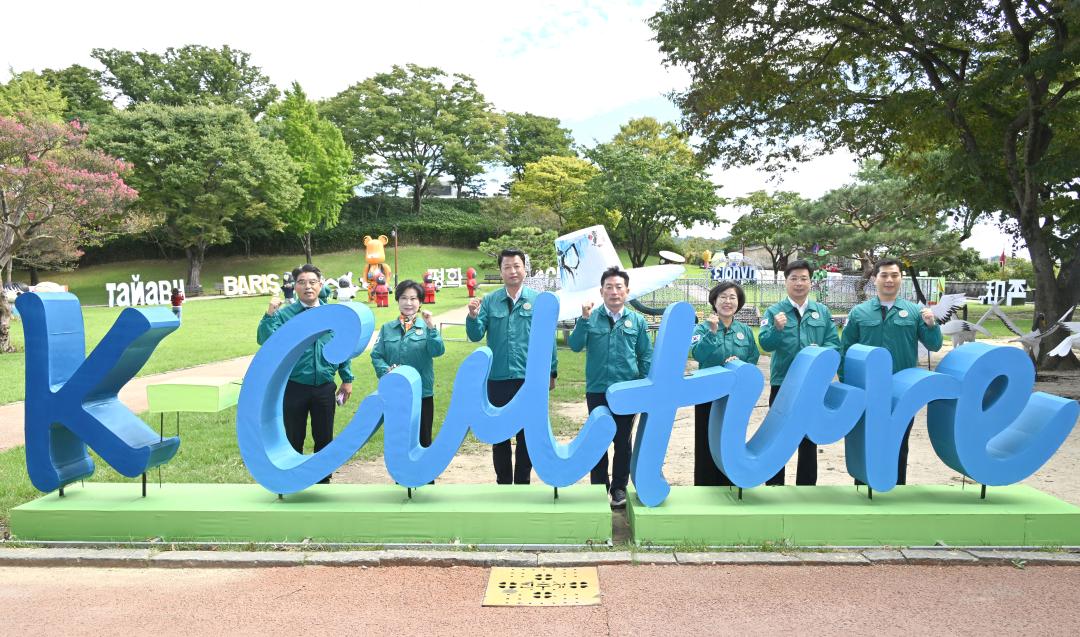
82, 89
993, 84
190, 75
772, 222
323, 161
403, 123
53, 189
659, 139
880, 215
202, 168
478, 144
28, 96
529, 138
654, 195
559, 186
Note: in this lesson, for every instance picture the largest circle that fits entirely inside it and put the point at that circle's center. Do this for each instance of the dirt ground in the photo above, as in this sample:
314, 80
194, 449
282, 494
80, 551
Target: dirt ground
473, 464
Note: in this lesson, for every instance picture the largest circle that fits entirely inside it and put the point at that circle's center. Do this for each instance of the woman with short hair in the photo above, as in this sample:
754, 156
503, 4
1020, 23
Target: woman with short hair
411, 339
717, 340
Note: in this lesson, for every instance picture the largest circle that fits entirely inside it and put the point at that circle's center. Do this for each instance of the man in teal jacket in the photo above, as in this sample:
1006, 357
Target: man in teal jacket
311, 388
895, 324
506, 317
618, 349
788, 327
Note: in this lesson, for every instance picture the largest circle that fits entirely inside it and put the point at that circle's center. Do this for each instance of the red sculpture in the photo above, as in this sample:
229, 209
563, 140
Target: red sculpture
470, 281
429, 288
382, 292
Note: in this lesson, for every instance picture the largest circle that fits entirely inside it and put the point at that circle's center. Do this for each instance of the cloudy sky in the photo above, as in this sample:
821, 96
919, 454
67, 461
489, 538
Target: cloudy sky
592, 64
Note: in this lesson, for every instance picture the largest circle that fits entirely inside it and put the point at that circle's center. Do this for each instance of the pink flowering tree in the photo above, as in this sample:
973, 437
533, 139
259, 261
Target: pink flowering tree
53, 192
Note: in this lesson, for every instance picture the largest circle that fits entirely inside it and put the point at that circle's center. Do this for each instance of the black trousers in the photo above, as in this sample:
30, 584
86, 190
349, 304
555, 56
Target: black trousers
706, 473
620, 459
806, 469
427, 416
500, 392
316, 400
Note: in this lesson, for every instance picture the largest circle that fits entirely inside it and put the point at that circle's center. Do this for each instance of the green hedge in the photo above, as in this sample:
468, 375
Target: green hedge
460, 223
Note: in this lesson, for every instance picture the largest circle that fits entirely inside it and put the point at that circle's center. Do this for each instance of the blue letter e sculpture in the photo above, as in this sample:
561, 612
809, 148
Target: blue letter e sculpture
71, 401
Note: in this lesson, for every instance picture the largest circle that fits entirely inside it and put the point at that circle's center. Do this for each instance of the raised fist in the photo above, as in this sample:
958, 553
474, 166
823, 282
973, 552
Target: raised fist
586, 310
713, 322
426, 315
779, 320
275, 305
474, 307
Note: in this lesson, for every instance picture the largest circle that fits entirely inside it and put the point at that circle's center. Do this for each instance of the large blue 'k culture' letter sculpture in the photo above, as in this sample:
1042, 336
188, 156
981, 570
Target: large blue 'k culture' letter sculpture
984, 421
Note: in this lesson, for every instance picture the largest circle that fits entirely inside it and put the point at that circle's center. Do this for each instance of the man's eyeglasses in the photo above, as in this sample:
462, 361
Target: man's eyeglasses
307, 283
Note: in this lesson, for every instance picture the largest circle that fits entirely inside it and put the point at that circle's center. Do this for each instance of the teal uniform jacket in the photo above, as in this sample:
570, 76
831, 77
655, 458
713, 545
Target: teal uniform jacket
417, 349
815, 328
312, 368
616, 352
711, 350
507, 333
898, 333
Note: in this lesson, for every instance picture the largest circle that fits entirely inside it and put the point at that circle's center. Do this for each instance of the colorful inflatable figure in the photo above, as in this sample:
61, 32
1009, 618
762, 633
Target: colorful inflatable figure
470, 281
382, 292
429, 288
375, 255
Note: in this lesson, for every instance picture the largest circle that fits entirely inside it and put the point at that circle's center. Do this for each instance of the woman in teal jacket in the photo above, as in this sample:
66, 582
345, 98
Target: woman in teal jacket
408, 341
717, 340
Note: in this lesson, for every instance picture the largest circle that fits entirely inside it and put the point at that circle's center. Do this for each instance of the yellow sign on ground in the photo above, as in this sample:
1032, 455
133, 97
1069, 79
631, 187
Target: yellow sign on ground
543, 587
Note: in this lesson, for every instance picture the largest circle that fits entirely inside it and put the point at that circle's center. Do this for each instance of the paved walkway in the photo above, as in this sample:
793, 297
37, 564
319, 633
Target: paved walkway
134, 393
635, 600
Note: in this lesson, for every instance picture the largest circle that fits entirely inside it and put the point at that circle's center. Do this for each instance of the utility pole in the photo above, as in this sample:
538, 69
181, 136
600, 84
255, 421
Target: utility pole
393, 233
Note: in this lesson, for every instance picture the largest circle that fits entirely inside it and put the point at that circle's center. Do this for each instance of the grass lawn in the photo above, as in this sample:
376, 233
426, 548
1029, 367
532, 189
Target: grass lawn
89, 283
211, 330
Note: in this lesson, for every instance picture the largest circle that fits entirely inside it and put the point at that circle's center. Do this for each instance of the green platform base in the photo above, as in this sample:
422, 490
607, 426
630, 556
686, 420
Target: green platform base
913, 515
470, 514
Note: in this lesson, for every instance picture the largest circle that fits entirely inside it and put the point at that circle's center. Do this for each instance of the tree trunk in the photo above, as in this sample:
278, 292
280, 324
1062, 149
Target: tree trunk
417, 193
306, 241
195, 255
5, 325
1053, 295
33, 276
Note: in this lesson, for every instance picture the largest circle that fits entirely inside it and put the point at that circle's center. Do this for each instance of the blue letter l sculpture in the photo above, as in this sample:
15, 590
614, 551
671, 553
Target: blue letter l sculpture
71, 402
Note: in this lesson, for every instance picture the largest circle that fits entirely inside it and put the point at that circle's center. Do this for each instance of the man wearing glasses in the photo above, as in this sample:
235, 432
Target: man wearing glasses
788, 327
311, 389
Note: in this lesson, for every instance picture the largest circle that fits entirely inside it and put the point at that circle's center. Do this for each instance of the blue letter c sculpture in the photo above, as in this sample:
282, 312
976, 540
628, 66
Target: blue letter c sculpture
260, 429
